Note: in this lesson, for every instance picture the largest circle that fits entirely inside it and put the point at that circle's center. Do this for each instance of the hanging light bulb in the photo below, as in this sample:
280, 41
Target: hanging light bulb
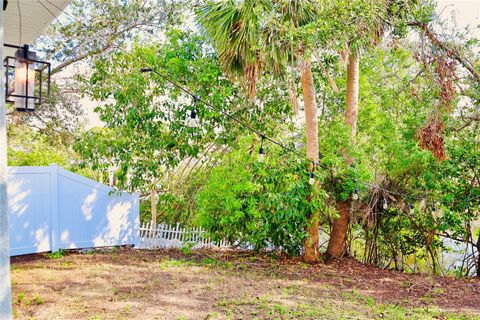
412, 211
311, 181
261, 151
111, 176
355, 194
261, 155
385, 204
129, 178
193, 121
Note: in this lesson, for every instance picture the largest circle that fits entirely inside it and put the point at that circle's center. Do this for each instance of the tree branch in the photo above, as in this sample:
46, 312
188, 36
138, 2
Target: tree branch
450, 51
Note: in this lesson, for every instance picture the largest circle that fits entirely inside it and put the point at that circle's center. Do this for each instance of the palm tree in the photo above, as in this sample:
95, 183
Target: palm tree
249, 36
234, 30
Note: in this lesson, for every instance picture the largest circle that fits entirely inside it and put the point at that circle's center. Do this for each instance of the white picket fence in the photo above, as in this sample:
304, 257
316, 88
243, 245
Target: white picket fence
174, 236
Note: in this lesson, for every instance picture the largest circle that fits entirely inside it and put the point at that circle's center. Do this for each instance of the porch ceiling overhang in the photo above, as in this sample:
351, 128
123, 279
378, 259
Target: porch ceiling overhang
25, 20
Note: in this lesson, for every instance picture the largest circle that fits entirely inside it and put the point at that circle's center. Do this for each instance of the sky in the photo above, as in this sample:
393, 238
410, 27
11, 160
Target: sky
466, 12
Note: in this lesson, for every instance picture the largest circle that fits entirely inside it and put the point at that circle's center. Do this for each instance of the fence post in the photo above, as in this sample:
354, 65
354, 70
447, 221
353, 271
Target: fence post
54, 230
136, 212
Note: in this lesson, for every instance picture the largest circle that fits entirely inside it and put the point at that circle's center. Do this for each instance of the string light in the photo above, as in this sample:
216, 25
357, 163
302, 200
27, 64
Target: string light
311, 181
261, 151
193, 122
355, 192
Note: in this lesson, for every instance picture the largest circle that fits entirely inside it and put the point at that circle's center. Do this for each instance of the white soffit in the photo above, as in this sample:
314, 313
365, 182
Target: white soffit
25, 20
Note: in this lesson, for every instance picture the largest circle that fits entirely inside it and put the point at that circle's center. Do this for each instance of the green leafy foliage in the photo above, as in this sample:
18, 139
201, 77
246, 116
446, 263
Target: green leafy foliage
146, 132
29, 148
259, 204
210, 175
146, 139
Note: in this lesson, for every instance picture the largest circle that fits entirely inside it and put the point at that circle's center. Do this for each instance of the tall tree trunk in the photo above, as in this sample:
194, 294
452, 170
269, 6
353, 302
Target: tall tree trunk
336, 244
310, 246
353, 75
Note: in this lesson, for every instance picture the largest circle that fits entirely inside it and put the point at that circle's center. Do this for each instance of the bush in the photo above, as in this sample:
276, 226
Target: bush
259, 204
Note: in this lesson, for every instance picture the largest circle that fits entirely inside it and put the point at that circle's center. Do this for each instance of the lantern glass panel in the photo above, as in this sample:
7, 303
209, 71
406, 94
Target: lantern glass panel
24, 85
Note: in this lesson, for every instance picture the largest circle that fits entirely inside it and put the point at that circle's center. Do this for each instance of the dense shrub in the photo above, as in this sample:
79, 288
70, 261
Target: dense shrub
260, 204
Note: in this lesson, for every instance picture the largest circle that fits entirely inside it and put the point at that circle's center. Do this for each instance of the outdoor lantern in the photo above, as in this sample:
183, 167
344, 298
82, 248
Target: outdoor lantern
25, 79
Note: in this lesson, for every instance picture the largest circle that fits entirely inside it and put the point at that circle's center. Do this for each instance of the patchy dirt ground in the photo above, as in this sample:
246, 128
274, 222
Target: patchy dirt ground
132, 284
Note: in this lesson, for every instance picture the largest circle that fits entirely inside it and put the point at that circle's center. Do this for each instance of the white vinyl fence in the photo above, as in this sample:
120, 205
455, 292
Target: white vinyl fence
51, 209
174, 236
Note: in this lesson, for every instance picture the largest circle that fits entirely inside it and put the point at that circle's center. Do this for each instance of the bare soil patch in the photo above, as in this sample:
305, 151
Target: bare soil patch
208, 284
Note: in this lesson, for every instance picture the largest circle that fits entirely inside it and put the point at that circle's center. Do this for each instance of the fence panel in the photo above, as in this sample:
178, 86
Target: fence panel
51, 208
174, 236
29, 210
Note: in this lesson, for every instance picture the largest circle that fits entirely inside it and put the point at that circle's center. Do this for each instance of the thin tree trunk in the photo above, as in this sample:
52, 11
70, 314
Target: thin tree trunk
251, 80
311, 242
332, 83
336, 244
292, 93
478, 256
153, 206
